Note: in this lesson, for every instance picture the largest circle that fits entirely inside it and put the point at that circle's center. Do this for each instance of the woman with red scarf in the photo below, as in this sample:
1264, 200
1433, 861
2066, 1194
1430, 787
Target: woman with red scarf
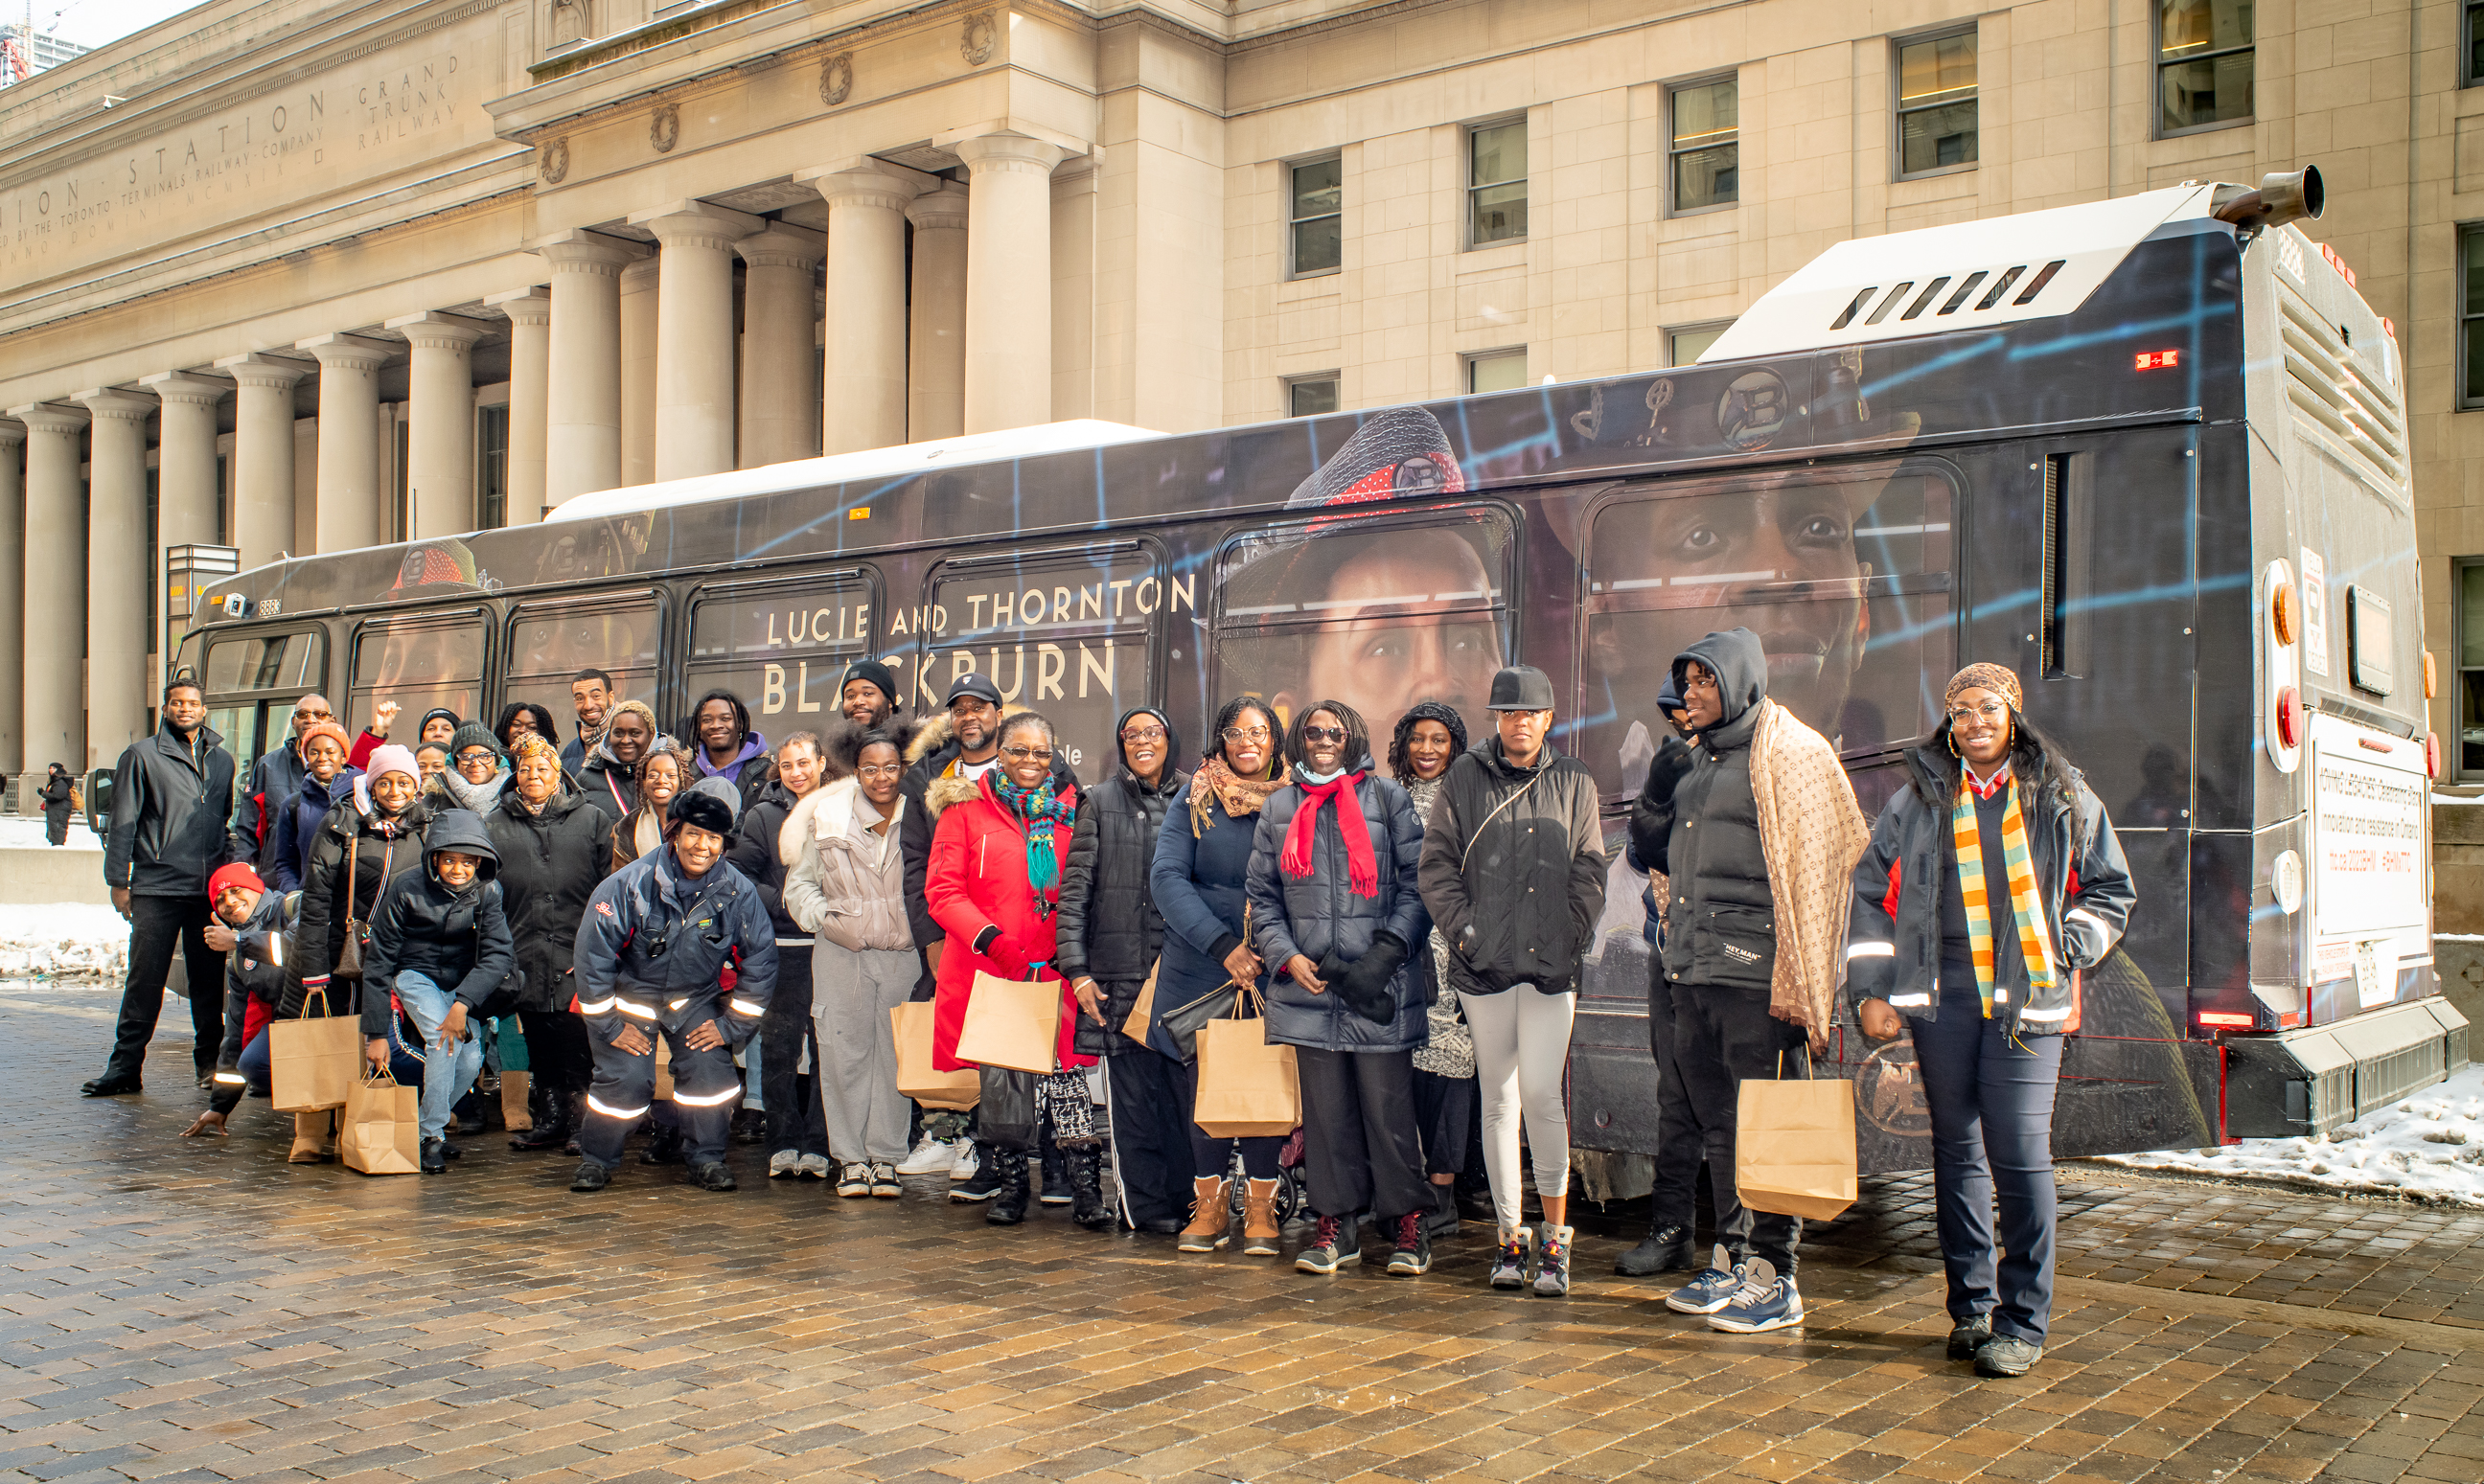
994, 884
1335, 909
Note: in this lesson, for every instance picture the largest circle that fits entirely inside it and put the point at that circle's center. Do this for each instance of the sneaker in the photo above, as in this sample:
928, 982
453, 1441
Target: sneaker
930, 1157
966, 1164
1764, 1302
433, 1160
1969, 1337
1337, 1244
813, 1166
590, 1176
1711, 1290
2005, 1355
714, 1176
784, 1164
982, 1183
1443, 1219
884, 1180
854, 1181
1413, 1257
1509, 1263
1666, 1248
749, 1124
1553, 1267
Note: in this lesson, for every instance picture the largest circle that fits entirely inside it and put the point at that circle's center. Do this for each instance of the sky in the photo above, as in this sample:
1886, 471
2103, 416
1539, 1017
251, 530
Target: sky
93, 22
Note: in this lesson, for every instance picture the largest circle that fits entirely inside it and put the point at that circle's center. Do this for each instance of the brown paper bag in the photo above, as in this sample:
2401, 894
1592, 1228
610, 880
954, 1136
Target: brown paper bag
1012, 1023
916, 1077
1247, 1088
1794, 1148
1134, 1025
382, 1131
664, 1066
313, 1062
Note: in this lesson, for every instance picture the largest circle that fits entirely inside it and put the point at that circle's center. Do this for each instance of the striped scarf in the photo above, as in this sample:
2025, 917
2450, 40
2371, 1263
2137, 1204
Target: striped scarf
2023, 906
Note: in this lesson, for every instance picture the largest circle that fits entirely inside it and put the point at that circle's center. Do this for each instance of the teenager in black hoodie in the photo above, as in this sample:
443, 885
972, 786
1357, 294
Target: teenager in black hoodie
439, 946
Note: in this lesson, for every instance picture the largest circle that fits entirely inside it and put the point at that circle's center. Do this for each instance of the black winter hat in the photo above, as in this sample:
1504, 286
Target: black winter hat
474, 734
698, 807
877, 674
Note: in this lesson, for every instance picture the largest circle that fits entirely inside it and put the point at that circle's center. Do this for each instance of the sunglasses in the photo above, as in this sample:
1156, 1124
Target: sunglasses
1027, 754
1323, 733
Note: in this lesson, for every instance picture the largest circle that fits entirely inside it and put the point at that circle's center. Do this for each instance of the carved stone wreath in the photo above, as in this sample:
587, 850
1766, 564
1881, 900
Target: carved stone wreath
553, 166
664, 129
836, 79
981, 36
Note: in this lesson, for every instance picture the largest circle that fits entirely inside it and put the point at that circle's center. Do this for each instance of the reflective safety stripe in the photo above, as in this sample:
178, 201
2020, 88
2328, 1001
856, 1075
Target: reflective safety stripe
742, 1006
232, 1079
2000, 996
611, 1112
1872, 951
2062, 1014
1910, 1000
677, 1004
628, 1008
596, 1007
276, 949
2092, 920
705, 1099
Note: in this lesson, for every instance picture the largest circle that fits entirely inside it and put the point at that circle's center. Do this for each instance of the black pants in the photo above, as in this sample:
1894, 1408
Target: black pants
1444, 1111
706, 1087
1150, 1135
1360, 1144
157, 926
560, 1059
1679, 1135
1210, 1156
1721, 1038
1991, 1102
795, 1121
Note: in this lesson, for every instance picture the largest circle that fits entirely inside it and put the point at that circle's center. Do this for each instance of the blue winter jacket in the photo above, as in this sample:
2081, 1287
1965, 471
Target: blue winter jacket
1319, 915
654, 944
1199, 882
298, 821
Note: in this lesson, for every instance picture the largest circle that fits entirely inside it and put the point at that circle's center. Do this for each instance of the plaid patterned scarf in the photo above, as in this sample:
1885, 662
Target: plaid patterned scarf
2023, 906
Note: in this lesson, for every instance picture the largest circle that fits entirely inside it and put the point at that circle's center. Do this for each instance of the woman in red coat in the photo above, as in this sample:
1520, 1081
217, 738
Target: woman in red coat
994, 884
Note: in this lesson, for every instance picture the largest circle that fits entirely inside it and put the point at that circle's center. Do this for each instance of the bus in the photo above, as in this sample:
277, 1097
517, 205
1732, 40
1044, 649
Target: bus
2150, 452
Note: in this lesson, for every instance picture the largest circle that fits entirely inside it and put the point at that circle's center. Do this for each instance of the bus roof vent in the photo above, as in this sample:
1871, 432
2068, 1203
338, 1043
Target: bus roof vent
2361, 417
1969, 275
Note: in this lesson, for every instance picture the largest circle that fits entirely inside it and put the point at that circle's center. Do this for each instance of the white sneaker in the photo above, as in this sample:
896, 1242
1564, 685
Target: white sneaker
962, 1167
784, 1164
814, 1167
930, 1157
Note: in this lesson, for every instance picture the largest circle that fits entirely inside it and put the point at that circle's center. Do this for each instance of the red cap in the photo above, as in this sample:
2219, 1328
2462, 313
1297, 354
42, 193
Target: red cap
234, 875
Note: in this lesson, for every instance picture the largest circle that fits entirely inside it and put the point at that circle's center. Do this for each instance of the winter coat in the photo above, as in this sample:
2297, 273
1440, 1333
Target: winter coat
624, 836
550, 864
753, 852
56, 797
273, 780
457, 936
845, 886
1110, 928
1513, 870
752, 769
933, 754
299, 820
976, 879
654, 946
172, 816
254, 975
1893, 939
607, 784
1698, 822
1319, 916
1448, 1046
341, 879
1199, 883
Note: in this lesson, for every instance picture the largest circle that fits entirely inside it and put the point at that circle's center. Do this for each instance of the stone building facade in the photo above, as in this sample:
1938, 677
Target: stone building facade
302, 274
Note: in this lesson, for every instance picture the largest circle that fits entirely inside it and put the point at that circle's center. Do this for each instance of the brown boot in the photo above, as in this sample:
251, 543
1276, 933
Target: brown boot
310, 1145
1210, 1216
1260, 1231
513, 1102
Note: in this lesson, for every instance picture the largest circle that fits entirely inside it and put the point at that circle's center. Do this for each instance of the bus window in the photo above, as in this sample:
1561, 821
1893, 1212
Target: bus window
275, 662
1379, 612
779, 646
1070, 634
419, 664
1842, 572
550, 642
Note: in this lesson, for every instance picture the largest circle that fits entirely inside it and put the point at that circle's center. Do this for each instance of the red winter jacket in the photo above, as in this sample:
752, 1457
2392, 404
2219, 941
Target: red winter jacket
976, 879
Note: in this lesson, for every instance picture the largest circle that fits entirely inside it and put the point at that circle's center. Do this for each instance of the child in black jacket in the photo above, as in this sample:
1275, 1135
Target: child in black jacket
438, 949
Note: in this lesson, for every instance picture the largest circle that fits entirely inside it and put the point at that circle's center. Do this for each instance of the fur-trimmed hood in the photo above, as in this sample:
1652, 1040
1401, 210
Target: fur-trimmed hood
940, 793
934, 734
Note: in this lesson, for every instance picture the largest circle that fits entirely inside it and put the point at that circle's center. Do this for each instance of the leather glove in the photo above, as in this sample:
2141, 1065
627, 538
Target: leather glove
1365, 987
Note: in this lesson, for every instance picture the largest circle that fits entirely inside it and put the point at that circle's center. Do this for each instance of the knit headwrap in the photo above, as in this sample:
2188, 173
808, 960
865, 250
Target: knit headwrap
1362, 870
1240, 798
1047, 820
528, 745
1999, 679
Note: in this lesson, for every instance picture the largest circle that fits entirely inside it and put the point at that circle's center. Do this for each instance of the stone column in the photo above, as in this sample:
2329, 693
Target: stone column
935, 350
529, 312
777, 346
55, 586
13, 601
1008, 280
187, 493
583, 414
116, 572
863, 398
694, 341
638, 301
262, 510
349, 440
440, 440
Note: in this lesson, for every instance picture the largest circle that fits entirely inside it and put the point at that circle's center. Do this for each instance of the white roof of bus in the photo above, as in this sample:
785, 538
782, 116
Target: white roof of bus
899, 462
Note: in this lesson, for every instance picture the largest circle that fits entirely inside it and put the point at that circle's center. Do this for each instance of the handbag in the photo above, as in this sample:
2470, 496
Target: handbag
910, 1024
1011, 1022
383, 1127
358, 934
1007, 1118
312, 1060
1175, 1029
1247, 1088
1793, 1146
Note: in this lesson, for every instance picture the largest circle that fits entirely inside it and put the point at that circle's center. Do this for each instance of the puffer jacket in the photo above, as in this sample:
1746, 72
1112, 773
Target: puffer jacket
1893, 936
1697, 824
549, 867
172, 815
975, 881
846, 884
1319, 916
1110, 928
1513, 870
457, 936
753, 851
254, 977
930, 757
299, 820
341, 879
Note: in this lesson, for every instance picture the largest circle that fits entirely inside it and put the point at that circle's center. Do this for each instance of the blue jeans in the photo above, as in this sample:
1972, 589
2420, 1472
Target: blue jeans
755, 1095
427, 1005
1991, 1101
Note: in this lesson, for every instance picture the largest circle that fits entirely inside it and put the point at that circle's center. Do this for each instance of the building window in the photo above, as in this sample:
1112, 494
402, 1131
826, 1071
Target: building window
492, 468
1497, 370
1310, 396
2203, 64
2470, 318
1936, 127
2467, 642
1316, 200
1706, 165
1691, 341
1496, 183
2470, 48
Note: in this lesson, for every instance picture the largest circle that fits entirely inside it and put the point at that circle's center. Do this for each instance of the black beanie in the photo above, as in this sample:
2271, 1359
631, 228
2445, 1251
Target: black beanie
877, 674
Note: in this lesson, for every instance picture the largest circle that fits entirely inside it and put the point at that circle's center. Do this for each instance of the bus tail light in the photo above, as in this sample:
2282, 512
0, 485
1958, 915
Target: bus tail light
2289, 717
2280, 614
2281, 667
2227, 1019
2431, 752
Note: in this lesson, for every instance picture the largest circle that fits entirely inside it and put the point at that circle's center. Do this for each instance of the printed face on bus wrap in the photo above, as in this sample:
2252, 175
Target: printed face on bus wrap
1398, 643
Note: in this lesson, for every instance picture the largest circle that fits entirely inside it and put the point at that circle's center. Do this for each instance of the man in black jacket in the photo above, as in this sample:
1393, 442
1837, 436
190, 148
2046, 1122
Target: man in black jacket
1109, 934
171, 826
275, 778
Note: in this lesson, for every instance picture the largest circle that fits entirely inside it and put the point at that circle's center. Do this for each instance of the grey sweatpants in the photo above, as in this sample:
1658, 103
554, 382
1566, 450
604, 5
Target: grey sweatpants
852, 990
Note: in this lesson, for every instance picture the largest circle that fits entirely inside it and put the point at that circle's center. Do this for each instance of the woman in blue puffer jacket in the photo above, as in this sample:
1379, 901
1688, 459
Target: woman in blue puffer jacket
1334, 911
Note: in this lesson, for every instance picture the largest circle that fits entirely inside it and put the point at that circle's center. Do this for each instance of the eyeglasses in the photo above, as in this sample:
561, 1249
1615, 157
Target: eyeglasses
1258, 734
881, 770
1144, 734
1327, 734
1989, 711
1027, 754
474, 755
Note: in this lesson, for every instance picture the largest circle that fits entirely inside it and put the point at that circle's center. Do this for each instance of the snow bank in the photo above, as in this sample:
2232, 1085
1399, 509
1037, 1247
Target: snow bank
63, 940
21, 832
2429, 1147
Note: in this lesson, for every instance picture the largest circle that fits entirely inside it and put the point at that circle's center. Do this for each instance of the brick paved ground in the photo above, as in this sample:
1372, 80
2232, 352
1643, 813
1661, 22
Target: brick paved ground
202, 1310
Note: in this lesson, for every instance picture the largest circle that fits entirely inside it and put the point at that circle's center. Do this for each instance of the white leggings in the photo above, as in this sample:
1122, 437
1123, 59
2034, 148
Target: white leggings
1521, 1043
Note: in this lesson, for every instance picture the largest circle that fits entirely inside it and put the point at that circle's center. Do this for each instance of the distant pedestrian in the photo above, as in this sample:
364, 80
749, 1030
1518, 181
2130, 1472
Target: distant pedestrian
58, 787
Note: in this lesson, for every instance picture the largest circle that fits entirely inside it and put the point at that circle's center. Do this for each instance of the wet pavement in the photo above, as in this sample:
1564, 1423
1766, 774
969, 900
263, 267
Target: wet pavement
199, 1309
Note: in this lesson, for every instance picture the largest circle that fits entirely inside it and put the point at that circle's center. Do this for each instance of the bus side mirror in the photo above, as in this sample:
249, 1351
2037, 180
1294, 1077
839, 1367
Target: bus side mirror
98, 801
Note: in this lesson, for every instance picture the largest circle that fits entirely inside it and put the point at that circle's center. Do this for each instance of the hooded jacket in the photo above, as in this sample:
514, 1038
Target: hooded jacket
172, 815
608, 784
299, 820
458, 936
549, 864
933, 754
1698, 822
341, 879
1110, 928
844, 883
654, 945
253, 972
975, 881
1319, 917
273, 780
1513, 870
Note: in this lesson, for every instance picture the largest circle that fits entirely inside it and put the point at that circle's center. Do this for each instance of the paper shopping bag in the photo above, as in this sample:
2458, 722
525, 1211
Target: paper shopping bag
1794, 1148
1247, 1088
313, 1062
916, 1077
1134, 1025
664, 1066
1012, 1023
382, 1131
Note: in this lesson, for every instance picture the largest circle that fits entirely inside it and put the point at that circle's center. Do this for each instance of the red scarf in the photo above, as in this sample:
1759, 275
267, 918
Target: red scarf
1362, 872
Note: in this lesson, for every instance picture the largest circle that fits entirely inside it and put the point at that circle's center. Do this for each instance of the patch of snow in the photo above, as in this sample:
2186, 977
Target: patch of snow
63, 940
2429, 1145
19, 831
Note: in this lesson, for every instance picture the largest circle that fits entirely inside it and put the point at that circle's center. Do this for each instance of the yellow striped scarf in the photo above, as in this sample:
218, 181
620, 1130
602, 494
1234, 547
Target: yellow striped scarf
2033, 943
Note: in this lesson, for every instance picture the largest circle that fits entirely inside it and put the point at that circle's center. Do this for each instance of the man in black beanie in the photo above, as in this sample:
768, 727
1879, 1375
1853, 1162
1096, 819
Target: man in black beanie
868, 694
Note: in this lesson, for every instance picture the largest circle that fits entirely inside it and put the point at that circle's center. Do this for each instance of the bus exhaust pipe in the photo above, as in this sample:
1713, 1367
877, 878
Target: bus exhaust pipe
2280, 199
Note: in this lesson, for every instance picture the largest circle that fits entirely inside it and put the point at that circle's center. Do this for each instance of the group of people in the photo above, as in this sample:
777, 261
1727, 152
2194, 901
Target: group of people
742, 918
